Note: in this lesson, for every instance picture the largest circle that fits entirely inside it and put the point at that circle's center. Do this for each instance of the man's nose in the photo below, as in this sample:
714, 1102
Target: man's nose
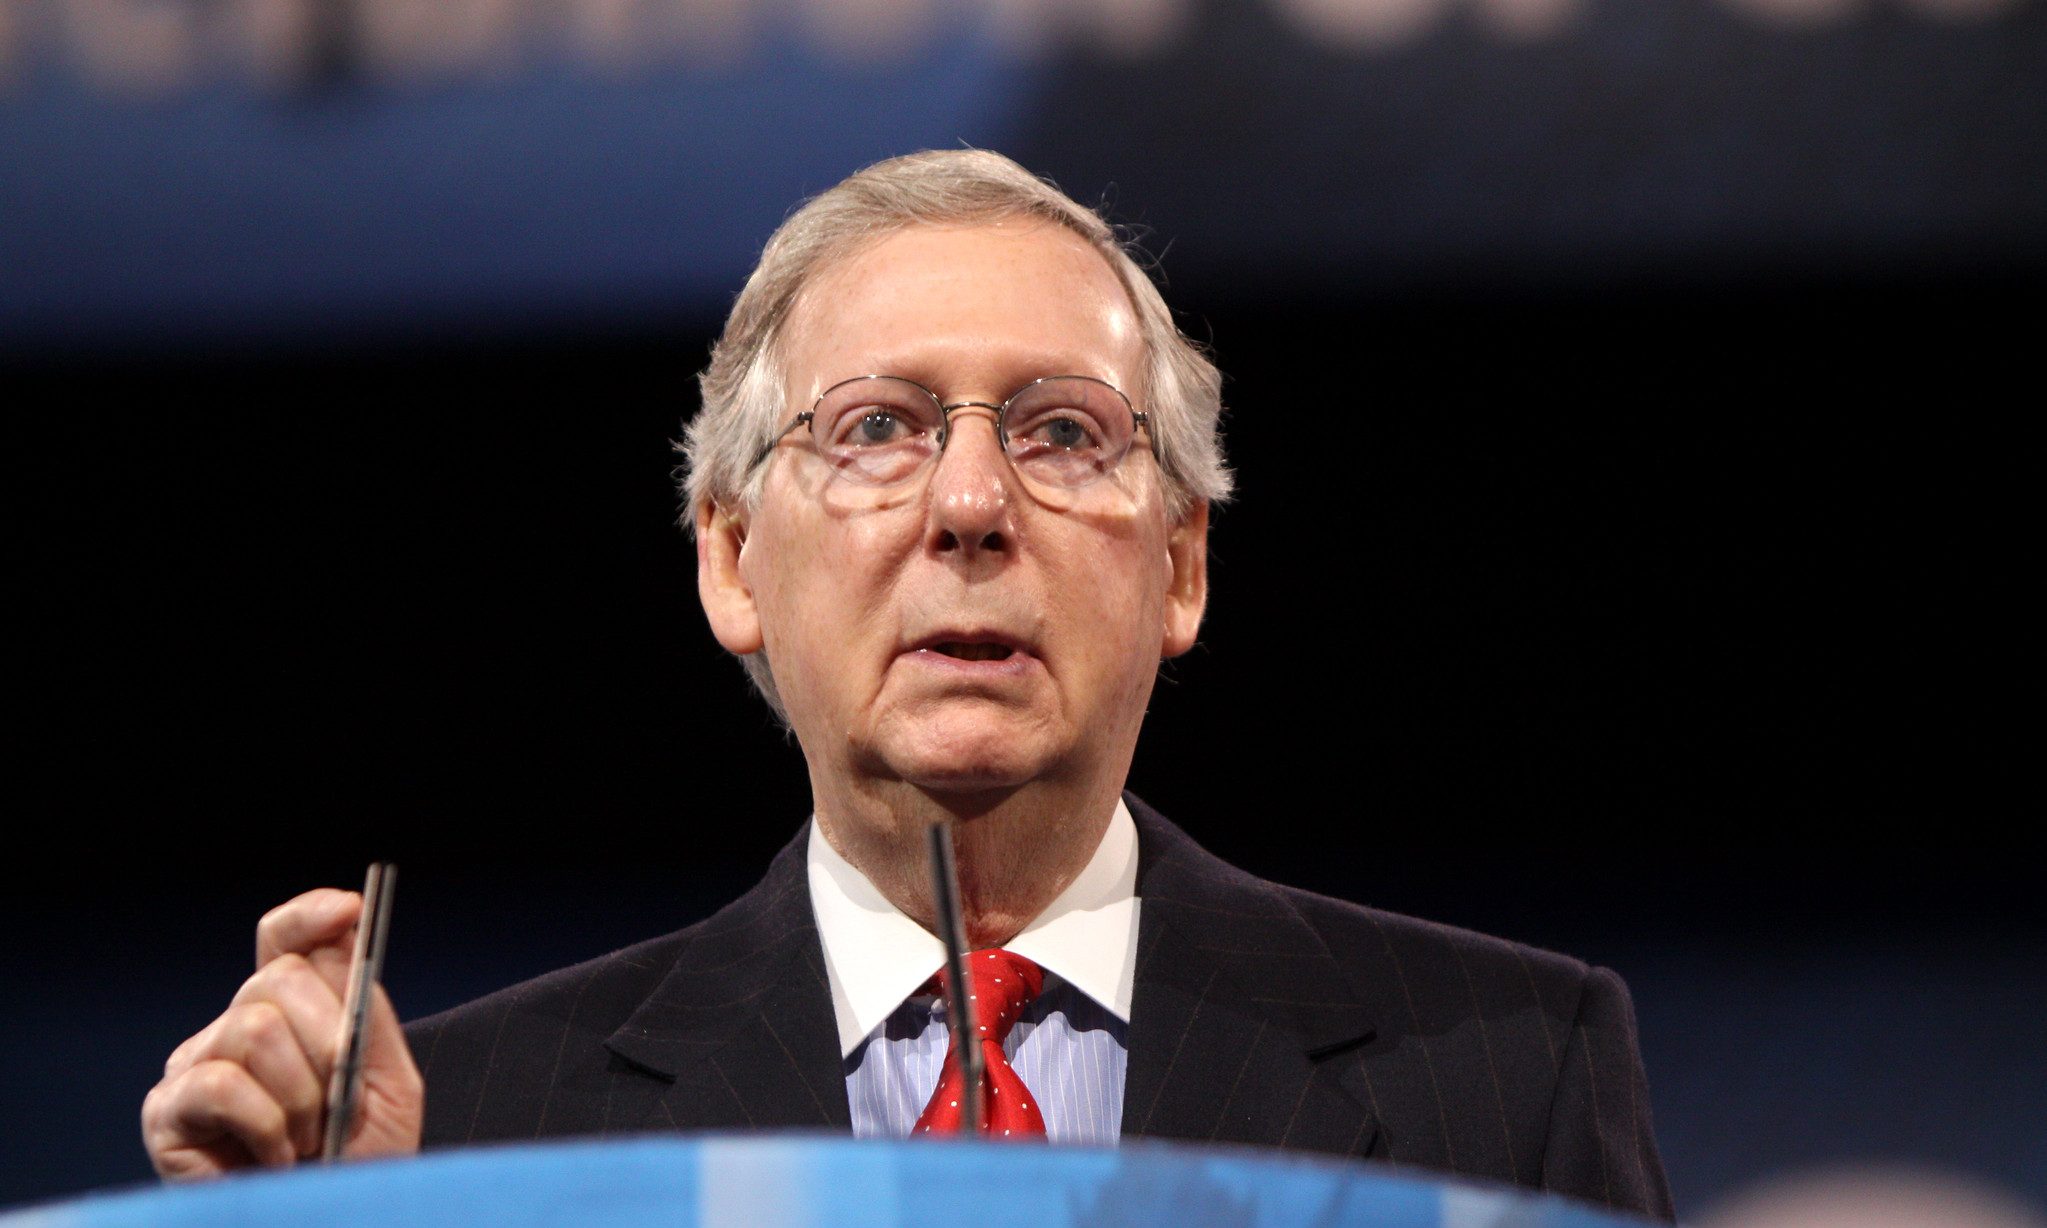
971, 492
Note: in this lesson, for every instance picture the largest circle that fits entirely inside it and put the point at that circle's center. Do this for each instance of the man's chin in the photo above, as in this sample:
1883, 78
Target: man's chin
966, 778
965, 763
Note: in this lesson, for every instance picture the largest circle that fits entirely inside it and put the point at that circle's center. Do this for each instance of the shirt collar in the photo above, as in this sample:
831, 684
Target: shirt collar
875, 956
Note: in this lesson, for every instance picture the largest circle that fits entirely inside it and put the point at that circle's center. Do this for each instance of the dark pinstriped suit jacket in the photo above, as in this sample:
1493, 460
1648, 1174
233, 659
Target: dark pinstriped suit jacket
1262, 1015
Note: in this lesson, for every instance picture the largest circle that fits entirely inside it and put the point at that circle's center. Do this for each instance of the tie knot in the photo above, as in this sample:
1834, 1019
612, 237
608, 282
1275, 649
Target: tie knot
1003, 984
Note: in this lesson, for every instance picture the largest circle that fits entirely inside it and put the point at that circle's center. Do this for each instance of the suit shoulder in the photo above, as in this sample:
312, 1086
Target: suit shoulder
1362, 937
1377, 949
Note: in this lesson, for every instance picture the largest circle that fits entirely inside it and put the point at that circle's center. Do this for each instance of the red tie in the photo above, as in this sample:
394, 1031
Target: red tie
1003, 985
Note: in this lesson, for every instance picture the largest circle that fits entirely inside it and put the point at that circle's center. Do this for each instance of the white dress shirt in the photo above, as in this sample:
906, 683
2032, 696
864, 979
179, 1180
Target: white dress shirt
1069, 1048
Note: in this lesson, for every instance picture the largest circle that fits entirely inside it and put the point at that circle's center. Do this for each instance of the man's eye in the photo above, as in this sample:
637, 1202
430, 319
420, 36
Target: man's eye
876, 426
1064, 433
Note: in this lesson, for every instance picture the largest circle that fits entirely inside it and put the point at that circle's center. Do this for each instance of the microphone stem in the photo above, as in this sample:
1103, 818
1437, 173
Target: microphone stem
945, 884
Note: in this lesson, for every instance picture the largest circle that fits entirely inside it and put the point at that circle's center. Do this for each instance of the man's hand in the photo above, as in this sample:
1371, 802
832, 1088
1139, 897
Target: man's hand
251, 1087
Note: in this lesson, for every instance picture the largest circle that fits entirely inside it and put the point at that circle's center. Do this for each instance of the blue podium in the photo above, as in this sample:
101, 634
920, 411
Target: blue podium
792, 1180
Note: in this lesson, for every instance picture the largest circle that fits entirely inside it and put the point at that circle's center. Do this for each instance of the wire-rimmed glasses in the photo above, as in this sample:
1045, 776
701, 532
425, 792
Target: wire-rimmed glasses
884, 430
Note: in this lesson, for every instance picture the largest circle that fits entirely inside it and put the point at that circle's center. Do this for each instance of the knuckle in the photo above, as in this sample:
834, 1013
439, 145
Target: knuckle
194, 1049
270, 922
274, 977
161, 1138
187, 1168
289, 965
216, 1080
264, 1025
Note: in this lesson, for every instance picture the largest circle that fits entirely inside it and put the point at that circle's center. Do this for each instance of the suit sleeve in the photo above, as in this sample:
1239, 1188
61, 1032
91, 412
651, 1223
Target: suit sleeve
1601, 1147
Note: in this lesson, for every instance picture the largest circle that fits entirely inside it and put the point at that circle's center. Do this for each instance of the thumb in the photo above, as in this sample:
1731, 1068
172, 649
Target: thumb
305, 923
393, 1095
386, 1049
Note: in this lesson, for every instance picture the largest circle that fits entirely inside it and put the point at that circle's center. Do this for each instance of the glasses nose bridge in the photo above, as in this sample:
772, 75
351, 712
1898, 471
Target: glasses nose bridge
995, 415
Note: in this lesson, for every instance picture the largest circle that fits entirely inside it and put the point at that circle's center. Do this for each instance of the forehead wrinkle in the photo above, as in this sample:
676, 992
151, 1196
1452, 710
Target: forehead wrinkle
953, 316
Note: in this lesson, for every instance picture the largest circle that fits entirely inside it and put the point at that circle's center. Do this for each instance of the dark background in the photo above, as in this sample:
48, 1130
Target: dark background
1627, 557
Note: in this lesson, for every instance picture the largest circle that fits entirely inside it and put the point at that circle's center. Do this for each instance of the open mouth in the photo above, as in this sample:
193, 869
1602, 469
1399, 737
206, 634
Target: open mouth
973, 652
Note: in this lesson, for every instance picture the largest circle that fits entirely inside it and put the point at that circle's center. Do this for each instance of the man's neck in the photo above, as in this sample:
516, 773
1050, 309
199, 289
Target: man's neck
1017, 849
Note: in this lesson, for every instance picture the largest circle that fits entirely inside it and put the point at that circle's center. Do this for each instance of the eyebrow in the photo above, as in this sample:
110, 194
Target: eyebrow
1013, 375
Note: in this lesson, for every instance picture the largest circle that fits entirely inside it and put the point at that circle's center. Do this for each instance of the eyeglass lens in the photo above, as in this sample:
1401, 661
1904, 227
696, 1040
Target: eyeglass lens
1065, 431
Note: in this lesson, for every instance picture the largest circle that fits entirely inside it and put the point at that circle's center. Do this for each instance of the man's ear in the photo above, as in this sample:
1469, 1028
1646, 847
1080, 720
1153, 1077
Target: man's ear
727, 597
1187, 595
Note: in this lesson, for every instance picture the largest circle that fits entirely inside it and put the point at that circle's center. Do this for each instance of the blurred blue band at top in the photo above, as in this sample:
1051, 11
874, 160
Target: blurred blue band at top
236, 209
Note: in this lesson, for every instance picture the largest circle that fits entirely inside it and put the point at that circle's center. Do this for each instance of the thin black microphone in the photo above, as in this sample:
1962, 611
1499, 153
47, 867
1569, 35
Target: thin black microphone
945, 889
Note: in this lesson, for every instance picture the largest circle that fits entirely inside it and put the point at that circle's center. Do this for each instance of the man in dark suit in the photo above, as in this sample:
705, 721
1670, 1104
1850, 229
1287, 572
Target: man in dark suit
952, 477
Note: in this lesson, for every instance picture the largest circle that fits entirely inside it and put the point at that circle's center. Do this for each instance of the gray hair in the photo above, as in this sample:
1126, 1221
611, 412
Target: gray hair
742, 388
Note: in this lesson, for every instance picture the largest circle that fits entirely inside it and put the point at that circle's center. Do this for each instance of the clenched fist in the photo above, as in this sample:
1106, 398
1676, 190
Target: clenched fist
251, 1087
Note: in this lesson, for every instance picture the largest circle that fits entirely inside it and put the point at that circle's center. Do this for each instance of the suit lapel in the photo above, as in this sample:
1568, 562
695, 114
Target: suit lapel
740, 1033
1240, 1018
